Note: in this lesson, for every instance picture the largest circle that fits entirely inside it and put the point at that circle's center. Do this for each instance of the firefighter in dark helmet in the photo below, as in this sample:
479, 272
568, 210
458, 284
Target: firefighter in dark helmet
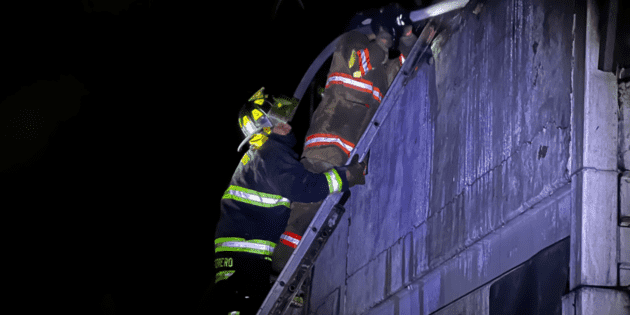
256, 205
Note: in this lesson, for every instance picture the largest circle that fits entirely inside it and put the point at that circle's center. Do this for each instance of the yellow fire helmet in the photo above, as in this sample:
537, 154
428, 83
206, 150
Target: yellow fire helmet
259, 115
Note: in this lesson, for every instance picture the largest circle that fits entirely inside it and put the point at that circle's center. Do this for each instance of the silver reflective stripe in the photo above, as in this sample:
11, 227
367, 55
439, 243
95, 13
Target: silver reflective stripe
357, 84
363, 85
248, 245
256, 198
364, 57
331, 140
334, 181
290, 241
236, 244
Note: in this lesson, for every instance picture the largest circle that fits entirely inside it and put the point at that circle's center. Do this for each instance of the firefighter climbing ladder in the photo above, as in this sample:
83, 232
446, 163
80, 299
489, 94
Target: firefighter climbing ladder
330, 212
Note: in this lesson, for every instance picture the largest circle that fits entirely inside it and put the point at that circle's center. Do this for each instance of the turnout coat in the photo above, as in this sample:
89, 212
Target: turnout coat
256, 206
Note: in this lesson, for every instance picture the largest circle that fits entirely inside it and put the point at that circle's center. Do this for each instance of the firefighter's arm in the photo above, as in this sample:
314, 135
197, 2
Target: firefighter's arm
302, 185
306, 187
292, 180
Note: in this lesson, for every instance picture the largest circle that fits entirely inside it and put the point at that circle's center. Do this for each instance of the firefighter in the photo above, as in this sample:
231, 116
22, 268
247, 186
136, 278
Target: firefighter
359, 76
255, 207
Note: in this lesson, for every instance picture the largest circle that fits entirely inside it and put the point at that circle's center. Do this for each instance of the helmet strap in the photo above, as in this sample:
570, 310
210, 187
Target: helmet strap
258, 140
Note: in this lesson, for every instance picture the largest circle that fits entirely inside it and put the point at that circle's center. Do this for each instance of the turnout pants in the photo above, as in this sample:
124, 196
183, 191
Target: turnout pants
242, 284
303, 213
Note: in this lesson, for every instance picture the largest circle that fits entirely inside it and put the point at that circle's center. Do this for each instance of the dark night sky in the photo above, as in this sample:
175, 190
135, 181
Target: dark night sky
121, 116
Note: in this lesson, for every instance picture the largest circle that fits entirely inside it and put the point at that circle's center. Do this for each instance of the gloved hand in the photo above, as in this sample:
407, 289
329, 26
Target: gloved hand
355, 172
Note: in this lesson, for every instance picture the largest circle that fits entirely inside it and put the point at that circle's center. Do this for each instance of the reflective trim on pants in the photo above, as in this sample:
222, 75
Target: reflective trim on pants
235, 244
290, 239
339, 78
329, 139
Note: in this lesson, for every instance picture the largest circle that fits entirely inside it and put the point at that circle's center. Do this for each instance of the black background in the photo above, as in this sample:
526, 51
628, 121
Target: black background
122, 197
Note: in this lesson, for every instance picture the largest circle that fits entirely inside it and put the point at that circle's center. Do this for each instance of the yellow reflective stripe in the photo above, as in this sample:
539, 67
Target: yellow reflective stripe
258, 140
258, 95
245, 120
222, 275
257, 114
334, 181
352, 59
245, 158
255, 197
227, 239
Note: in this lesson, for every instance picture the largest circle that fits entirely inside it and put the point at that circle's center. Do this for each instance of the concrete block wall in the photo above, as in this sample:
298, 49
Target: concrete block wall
624, 182
471, 173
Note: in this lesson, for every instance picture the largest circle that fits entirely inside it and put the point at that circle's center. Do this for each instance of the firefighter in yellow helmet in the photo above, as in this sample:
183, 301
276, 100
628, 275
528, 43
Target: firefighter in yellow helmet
256, 205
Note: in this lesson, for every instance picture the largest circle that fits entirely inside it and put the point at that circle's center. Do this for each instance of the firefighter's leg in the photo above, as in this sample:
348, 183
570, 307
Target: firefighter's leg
242, 284
301, 216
